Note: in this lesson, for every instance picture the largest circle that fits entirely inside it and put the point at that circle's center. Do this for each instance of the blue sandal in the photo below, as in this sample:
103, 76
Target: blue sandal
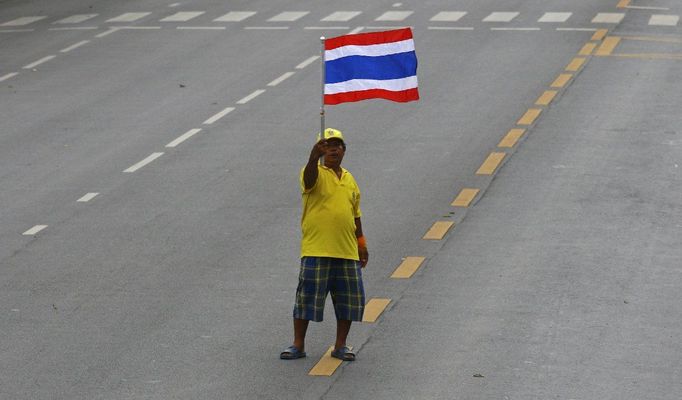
344, 354
292, 353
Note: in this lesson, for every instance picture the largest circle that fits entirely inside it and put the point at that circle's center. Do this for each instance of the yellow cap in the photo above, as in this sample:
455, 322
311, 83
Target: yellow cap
331, 133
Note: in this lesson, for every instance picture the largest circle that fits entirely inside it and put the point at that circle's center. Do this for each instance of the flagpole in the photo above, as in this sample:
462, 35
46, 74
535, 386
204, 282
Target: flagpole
322, 39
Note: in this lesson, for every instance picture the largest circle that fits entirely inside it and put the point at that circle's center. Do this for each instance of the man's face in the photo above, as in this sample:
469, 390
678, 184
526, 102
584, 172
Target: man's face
334, 152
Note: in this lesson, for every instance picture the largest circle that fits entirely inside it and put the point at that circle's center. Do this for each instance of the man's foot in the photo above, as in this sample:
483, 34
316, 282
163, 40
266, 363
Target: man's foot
344, 354
291, 353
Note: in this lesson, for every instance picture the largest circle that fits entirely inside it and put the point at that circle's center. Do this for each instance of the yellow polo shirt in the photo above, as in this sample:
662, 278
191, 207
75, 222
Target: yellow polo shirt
329, 211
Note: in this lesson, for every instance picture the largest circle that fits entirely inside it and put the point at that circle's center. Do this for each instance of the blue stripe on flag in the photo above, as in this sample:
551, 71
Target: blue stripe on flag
392, 66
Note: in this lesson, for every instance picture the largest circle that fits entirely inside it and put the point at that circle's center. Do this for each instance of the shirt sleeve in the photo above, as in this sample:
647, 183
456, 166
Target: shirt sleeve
357, 213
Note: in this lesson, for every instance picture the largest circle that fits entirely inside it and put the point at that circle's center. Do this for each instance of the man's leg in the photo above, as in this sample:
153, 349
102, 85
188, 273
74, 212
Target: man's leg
342, 329
300, 328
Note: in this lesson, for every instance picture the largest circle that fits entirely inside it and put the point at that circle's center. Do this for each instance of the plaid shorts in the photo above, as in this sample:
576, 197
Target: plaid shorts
321, 275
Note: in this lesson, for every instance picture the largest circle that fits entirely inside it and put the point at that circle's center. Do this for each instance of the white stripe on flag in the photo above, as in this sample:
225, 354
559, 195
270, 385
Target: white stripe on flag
394, 85
374, 50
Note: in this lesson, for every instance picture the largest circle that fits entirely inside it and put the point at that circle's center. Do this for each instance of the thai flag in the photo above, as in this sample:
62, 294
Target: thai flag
369, 66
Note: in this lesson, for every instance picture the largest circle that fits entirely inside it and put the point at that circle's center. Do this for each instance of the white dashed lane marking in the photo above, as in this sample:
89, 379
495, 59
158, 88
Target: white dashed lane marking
289, 16
36, 63
76, 19
87, 197
281, 79
34, 230
129, 17
500, 17
307, 62
448, 16
182, 16
341, 16
218, 116
555, 17
183, 137
394, 16
235, 16
74, 46
144, 162
252, 96
23, 21
608, 18
10, 75
664, 20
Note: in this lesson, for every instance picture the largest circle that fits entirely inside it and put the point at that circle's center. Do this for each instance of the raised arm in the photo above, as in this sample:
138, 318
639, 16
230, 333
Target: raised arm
310, 171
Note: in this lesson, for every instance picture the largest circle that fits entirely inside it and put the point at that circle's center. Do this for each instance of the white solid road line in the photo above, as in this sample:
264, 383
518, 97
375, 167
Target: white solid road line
329, 28
23, 21
10, 75
34, 230
281, 79
36, 63
87, 197
74, 46
73, 28
183, 137
253, 28
307, 62
144, 162
218, 116
252, 96
451, 28
515, 29
202, 28
356, 30
577, 29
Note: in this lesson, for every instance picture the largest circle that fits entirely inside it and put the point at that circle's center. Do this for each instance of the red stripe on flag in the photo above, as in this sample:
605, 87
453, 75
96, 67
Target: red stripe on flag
365, 39
402, 96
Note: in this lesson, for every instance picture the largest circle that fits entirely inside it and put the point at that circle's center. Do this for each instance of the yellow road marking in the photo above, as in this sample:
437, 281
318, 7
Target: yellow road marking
530, 116
491, 163
561, 80
575, 64
438, 230
587, 49
607, 46
546, 98
374, 308
327, 364
623, 4
600, 34
464, 197
512, 137
408, 267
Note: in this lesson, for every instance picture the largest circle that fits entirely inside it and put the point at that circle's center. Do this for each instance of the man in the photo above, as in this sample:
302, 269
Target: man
333, 249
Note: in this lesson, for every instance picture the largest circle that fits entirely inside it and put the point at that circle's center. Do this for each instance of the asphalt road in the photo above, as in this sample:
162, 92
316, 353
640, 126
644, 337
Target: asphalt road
175, 280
